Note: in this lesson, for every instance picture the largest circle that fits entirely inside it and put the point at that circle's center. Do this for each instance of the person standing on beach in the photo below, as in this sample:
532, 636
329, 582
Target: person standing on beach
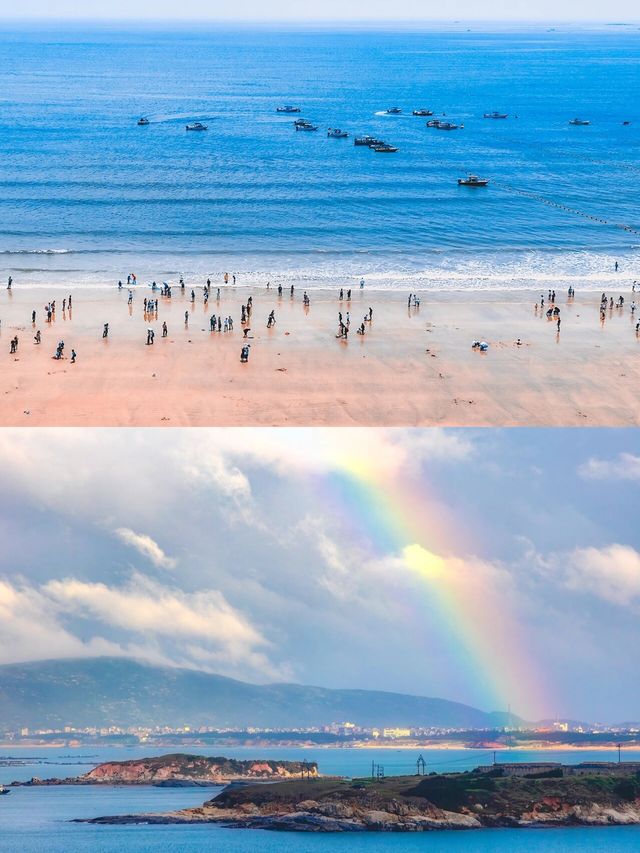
361, 283
186, 318
73, 356
164, 330
558, 324
38, 337
105, 331
33, 316
14, 345
9, 283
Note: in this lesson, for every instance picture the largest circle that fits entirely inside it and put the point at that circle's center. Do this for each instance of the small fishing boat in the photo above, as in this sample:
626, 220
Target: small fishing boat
435, 122
447, 125
579, 122
143, 121
385, 148
4, 790
626, 123
393, 111
496, 115
306, 126
287, 108
422, 112
367, 140
473, 181
196, 125
336, 133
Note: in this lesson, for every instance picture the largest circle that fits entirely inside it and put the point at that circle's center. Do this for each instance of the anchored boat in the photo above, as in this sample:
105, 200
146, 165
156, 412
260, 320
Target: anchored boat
385, 148
443, 125
336, 133
197, 125
287, 108
473, 181
496, 115
422, 112
367, 141
579, 122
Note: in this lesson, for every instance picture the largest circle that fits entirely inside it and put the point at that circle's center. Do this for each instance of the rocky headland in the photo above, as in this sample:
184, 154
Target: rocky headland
470, 800
182, 769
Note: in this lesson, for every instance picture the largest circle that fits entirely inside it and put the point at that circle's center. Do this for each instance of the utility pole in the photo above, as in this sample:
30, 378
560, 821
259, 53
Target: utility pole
619, 745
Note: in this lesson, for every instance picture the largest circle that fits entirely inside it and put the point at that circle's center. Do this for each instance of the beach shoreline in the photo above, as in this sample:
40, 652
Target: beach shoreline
412, 367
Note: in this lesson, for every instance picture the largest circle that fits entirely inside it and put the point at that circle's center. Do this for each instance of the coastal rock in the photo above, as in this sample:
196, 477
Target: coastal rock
459, 801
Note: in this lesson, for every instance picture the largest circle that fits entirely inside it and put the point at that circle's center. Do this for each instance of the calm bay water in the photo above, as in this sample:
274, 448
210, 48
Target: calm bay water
87, 196
35, 819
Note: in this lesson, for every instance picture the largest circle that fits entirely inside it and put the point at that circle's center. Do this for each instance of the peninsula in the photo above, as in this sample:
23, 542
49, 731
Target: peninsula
182, 770
486, 797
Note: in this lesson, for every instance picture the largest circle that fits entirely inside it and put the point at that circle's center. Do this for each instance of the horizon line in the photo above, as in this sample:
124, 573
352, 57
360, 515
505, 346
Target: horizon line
301, 22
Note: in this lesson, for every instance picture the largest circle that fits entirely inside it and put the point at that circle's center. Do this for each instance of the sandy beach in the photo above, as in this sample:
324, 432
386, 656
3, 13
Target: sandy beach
412, 367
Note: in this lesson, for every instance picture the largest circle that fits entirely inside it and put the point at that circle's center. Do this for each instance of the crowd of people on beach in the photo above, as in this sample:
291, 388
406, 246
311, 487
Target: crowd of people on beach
546, 307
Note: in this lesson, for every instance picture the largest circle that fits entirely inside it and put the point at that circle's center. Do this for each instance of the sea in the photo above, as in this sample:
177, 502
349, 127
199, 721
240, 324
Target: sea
87, 196
33, 820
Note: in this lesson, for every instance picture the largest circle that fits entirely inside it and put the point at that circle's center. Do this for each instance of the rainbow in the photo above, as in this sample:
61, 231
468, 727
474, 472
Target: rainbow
485, 659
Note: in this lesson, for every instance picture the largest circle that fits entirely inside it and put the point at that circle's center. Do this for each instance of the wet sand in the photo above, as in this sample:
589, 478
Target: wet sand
413, 368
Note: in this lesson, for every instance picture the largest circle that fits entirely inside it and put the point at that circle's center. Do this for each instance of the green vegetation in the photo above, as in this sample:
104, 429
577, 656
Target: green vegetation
456, 792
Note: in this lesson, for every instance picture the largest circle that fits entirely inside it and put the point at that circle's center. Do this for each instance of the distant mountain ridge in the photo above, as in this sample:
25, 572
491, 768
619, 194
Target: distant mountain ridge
112, 691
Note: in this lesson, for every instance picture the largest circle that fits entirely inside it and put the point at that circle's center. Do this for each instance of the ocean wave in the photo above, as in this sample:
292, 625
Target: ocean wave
37, 251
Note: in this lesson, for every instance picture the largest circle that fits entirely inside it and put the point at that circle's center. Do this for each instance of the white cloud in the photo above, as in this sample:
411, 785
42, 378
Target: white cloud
388, 451
30, 630
626, 466
139, 619
146, 546
611, 573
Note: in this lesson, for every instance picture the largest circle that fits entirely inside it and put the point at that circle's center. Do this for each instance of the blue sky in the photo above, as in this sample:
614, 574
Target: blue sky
352, 10
228, 550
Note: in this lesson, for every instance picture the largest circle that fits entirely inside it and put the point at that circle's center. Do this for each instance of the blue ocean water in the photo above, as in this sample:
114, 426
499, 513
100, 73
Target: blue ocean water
36, 819
87, 196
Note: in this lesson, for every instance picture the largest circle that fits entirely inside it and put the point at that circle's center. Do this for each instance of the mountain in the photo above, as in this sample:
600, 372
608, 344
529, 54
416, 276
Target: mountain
111, 691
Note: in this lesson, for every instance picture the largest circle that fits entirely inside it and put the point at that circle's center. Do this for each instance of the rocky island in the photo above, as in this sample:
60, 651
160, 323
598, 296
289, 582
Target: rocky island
471, 800
183, 770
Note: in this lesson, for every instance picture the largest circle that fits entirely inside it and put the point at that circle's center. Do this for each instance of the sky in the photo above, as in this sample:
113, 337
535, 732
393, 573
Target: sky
496, 568
336, 10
